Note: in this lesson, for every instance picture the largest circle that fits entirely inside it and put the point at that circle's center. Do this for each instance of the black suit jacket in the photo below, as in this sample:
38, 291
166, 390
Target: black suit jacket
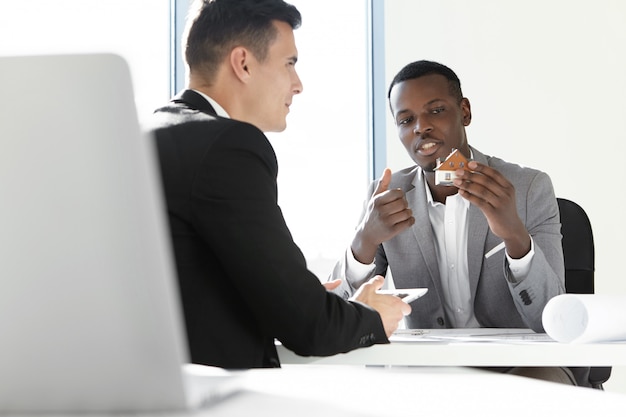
243, 281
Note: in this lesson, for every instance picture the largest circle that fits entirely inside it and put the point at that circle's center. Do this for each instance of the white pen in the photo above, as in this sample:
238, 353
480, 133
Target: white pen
496, 249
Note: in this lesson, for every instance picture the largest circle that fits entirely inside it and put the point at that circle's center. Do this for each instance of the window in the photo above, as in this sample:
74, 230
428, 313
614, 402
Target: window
323, 154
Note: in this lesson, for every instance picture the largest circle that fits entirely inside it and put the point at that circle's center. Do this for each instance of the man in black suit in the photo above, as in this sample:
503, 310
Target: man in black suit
243, 280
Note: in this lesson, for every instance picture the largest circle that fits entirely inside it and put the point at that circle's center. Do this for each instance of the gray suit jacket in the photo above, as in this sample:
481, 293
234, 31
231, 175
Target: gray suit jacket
498, 302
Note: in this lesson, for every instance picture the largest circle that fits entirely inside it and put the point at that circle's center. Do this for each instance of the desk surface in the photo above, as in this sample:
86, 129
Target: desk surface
349, 391
473, 347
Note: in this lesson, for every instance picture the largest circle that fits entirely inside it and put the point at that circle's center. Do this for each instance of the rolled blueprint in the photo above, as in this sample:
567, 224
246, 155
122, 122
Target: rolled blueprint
584, 318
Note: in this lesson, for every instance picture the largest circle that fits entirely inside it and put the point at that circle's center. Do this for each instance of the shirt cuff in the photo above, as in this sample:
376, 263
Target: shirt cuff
355, 269
520, 267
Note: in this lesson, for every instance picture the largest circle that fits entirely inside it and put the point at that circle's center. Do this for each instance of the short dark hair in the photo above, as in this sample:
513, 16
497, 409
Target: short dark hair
214, 27
420, 68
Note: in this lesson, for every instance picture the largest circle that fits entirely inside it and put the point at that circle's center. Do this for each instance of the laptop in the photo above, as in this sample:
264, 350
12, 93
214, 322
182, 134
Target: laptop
89, 312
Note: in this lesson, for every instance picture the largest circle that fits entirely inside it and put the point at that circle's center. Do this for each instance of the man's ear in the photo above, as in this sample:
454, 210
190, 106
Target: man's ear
239, 62
466, 110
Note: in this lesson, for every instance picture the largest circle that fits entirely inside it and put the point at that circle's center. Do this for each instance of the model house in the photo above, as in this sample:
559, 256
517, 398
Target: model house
444, 173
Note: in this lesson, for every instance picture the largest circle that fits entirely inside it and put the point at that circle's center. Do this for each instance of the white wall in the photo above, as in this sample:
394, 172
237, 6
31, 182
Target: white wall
137, 30
547, 84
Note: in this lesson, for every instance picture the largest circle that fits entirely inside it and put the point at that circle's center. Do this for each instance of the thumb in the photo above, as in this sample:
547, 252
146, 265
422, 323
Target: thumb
331, 285
383, 182
378, 281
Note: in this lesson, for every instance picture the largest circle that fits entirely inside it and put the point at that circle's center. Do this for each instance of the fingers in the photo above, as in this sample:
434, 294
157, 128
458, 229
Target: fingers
376, 284
370, 287
483, 184
400, 222
494, 195
405, 308
483, 174
331, 285
392, 311
386, 215
378, 281
389, 214
392, 203
383, 182
391, 308
388, 211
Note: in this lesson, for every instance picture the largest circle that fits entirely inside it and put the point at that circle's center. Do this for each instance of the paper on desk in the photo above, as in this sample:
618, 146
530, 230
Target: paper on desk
472, 335
581, 318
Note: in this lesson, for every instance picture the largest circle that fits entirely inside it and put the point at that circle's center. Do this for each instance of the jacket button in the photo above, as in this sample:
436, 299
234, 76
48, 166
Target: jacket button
367, 339
440, 321
525, 297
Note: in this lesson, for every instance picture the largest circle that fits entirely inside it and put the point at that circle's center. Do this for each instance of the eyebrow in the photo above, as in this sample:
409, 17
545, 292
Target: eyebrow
399, 112
431, 102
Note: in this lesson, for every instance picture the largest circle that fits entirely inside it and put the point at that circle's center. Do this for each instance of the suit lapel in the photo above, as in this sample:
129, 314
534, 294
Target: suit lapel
477, 234
423, 231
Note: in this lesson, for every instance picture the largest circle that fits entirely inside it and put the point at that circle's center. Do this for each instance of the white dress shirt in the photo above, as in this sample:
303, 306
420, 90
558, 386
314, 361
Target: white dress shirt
218, 109
450, 230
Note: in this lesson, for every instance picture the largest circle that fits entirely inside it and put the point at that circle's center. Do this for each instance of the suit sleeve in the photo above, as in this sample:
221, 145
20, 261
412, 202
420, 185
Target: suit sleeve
235, 209
546, 276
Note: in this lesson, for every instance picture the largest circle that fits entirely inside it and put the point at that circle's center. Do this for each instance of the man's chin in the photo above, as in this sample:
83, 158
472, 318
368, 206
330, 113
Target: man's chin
275, 129
430, 167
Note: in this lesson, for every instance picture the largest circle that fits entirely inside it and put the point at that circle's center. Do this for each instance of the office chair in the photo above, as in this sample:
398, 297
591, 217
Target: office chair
579, 255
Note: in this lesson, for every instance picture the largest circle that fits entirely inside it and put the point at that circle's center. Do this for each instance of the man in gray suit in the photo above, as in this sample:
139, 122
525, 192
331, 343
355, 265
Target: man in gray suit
488, 247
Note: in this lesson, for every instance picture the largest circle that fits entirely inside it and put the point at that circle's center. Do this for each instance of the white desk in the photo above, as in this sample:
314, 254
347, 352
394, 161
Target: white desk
349, 391
459, 351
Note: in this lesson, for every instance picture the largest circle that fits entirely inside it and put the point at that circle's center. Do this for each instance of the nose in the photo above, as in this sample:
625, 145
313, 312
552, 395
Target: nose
297, 84
422, 125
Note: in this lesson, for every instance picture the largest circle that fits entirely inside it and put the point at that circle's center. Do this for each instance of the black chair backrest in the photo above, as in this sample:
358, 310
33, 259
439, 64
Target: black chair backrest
578, 248
579, 256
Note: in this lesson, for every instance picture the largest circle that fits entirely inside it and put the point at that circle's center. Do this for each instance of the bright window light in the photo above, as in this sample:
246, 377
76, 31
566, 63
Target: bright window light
323, 153
138, 30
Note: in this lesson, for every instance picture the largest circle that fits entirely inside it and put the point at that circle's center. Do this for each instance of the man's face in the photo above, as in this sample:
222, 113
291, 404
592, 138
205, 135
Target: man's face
430, 121
276, 82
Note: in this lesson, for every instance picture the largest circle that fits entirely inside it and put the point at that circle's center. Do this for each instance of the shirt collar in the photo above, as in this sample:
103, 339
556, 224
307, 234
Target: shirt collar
218, 109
